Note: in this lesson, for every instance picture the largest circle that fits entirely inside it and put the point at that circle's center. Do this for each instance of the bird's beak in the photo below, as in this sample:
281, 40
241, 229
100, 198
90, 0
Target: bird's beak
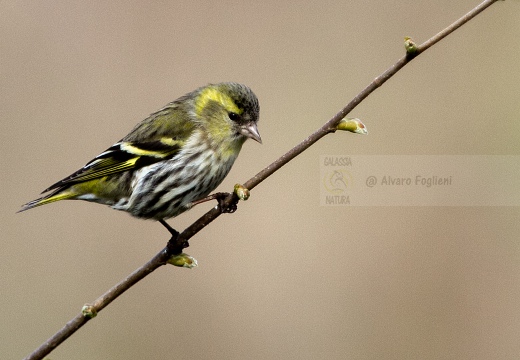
251, 131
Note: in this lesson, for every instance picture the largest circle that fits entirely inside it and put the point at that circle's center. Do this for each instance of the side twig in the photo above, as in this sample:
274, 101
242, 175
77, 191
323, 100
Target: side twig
90, 310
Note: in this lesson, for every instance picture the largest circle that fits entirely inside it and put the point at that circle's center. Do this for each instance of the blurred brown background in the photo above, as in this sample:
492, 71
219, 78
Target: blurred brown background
282, 277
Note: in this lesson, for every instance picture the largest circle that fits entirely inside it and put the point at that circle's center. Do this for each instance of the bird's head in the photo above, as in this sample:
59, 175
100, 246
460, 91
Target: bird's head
228, 111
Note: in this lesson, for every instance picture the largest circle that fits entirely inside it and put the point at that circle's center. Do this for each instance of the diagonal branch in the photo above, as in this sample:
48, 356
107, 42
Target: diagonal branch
176, 245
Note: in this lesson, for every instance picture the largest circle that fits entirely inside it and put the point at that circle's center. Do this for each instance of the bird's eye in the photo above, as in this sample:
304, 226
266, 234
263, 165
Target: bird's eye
233, 116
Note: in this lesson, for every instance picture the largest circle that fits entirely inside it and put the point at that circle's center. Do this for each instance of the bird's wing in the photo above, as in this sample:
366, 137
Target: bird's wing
123, 156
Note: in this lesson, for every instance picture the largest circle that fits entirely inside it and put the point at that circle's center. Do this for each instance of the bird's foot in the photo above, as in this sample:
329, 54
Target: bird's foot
175, 245
223, 207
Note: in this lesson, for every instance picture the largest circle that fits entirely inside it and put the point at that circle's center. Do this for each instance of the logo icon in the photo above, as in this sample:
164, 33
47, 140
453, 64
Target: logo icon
337, 181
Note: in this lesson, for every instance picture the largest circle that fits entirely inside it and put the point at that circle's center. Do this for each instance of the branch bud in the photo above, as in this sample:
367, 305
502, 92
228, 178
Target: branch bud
353, 125
88, 311
183, 260
242, 193
410, 46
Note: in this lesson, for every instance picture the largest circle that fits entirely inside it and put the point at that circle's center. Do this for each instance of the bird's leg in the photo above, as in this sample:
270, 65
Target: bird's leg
172, 231
173, 243
220, 197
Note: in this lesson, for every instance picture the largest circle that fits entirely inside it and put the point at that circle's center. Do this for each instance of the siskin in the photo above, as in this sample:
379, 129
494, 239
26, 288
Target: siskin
169, 161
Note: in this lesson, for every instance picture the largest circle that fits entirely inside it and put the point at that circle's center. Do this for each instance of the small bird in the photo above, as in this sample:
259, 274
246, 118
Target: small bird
170, 160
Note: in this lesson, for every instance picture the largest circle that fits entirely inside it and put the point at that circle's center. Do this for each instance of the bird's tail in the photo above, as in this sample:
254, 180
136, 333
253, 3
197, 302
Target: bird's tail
58, 194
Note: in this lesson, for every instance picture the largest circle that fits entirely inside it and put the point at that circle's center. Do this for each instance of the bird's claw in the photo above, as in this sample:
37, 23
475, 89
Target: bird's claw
224, 208
174, 245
